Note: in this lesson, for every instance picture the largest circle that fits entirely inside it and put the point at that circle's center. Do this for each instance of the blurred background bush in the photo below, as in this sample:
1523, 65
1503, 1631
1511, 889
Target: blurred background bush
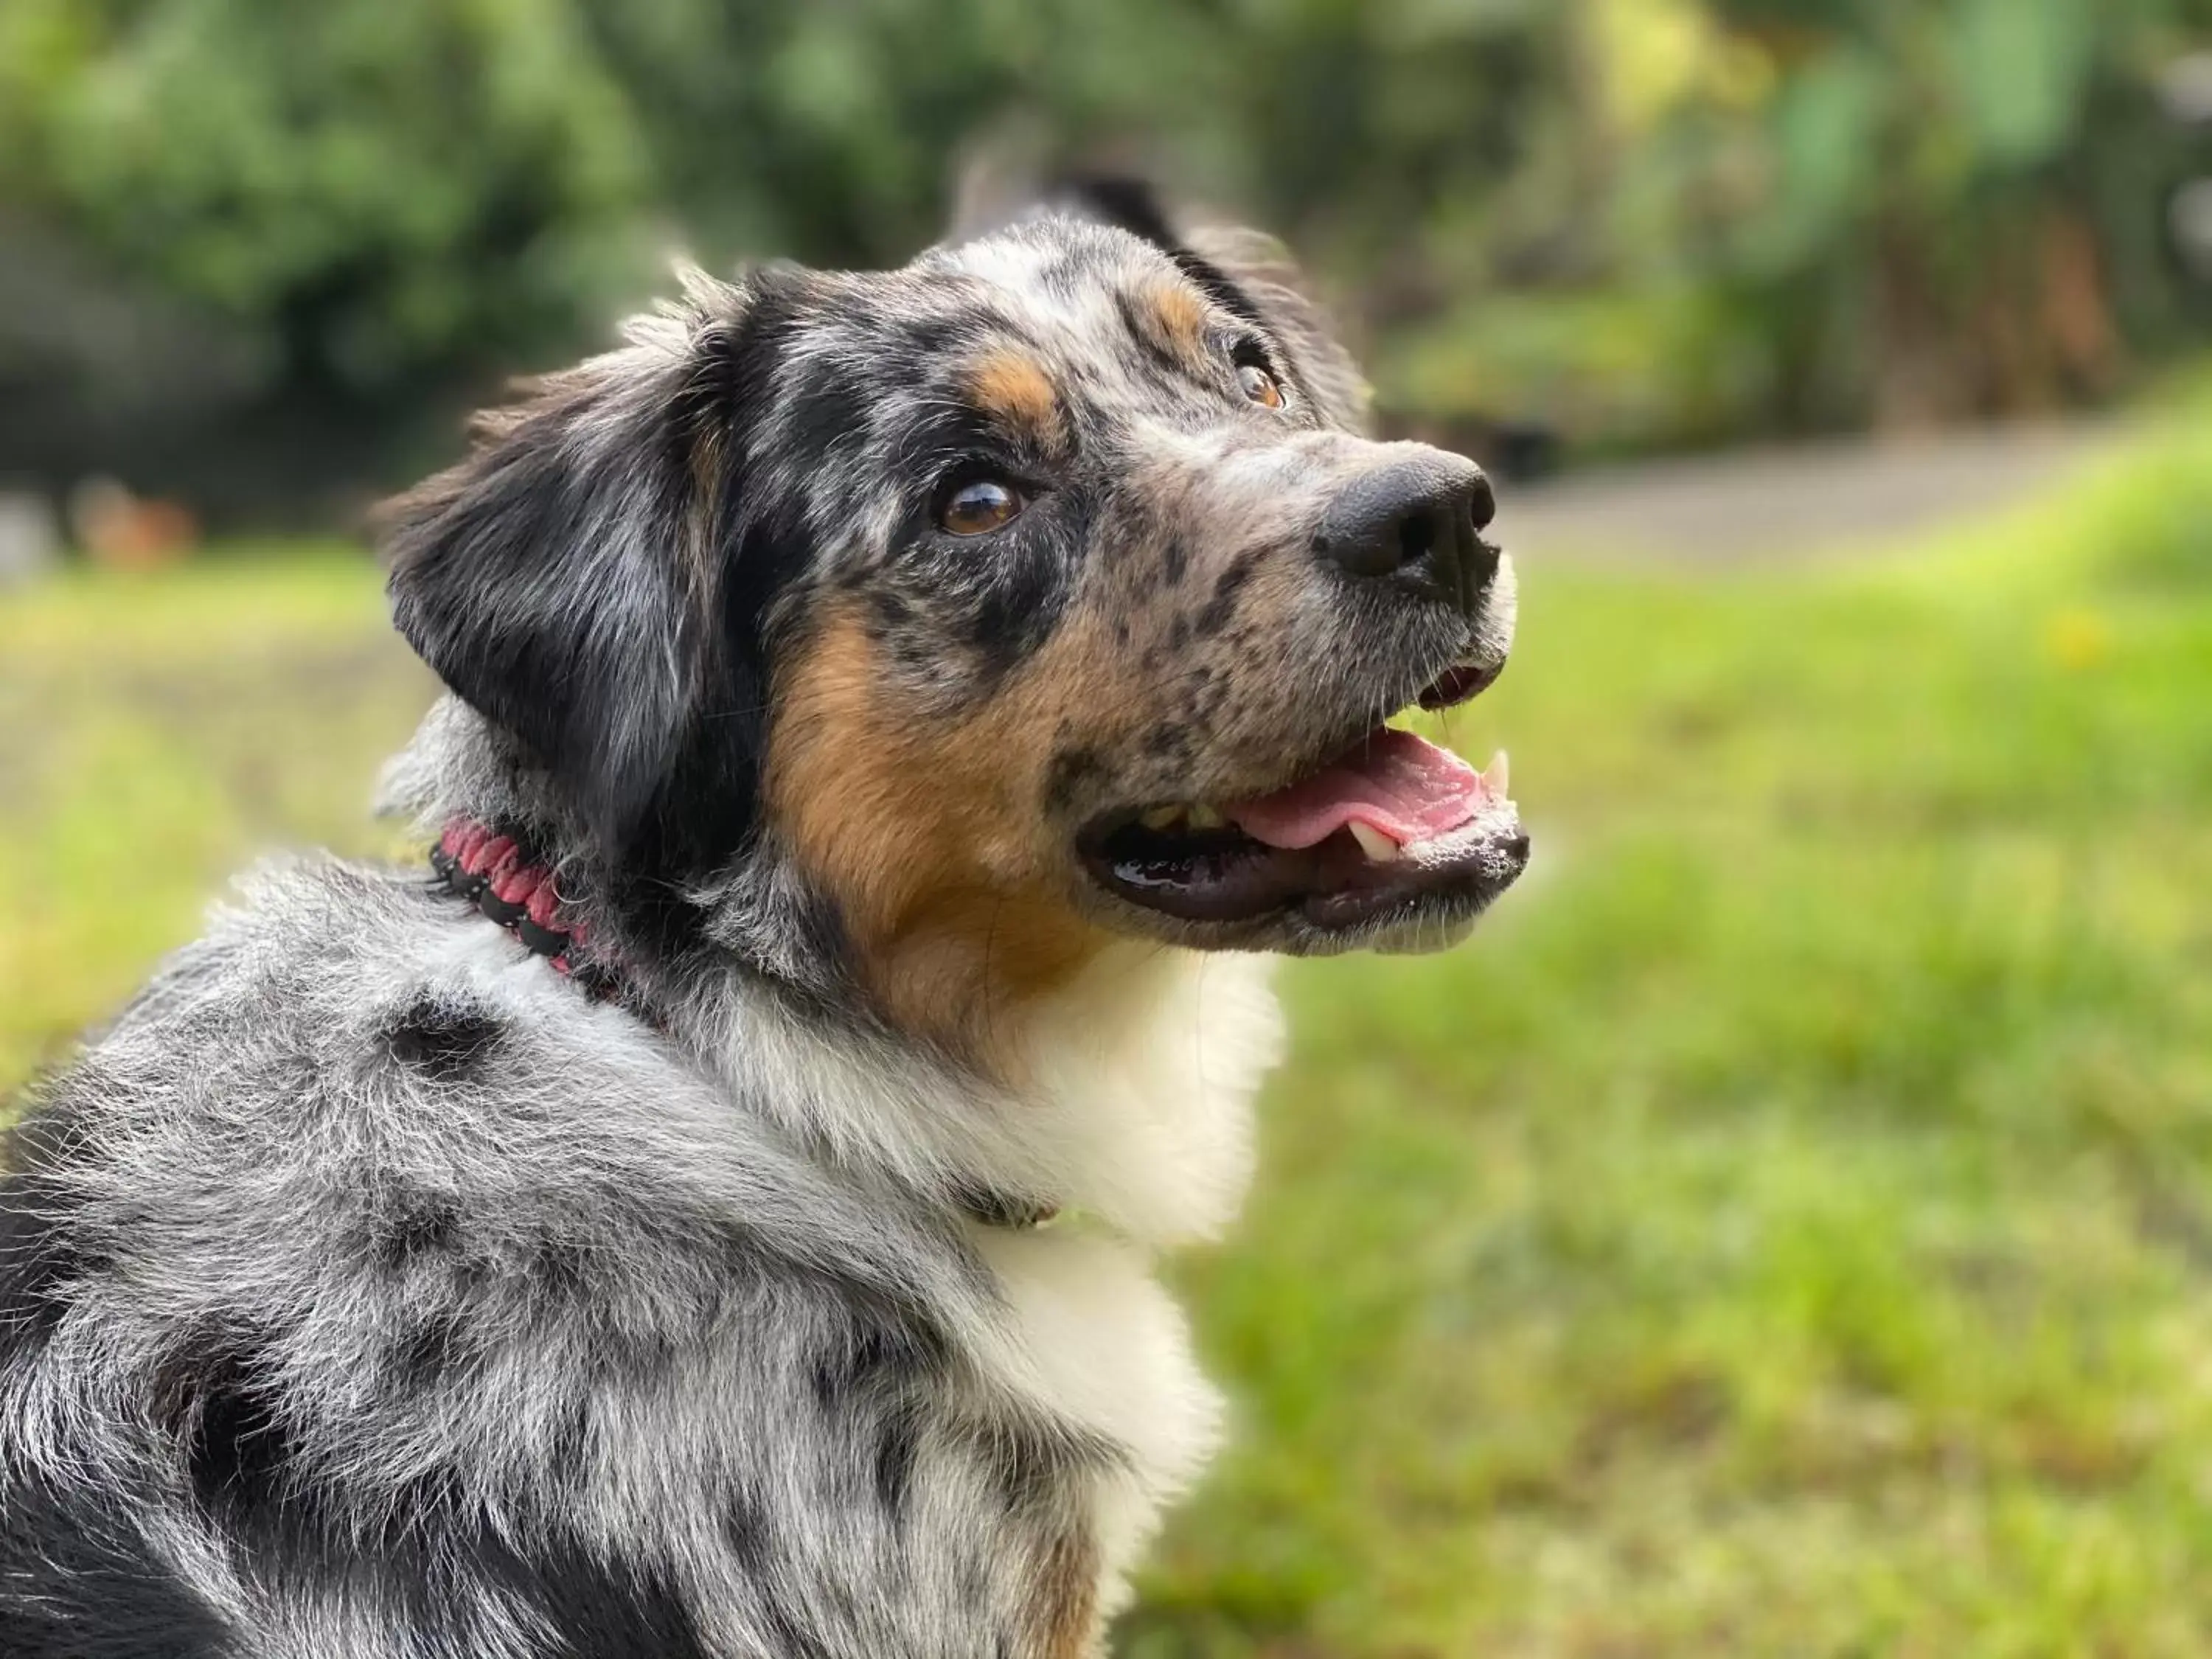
1787, 1228
256, 253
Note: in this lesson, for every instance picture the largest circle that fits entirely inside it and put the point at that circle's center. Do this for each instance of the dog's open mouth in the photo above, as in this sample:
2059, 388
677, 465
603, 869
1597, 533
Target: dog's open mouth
1391, 826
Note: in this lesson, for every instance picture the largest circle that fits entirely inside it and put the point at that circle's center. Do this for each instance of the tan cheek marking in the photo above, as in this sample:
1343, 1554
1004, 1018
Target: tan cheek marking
928, 835
1017, 392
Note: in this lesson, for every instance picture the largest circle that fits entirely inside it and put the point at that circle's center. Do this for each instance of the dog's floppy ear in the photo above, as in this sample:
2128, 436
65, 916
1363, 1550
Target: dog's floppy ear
563, 579
1247, 272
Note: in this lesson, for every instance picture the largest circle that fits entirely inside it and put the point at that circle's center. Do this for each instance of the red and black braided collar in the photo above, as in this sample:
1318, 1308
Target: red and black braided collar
493, 872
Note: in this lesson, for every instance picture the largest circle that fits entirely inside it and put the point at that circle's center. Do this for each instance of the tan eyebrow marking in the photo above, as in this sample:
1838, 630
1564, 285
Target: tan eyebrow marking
1017, 391
1181, 317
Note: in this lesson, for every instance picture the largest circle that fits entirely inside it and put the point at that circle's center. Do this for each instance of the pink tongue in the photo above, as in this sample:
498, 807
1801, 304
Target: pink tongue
1404, 785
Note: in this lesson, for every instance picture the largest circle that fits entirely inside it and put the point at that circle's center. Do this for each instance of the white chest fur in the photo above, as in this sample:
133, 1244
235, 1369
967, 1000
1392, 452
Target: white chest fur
1093, 1339
1138, 1108
1141, 1111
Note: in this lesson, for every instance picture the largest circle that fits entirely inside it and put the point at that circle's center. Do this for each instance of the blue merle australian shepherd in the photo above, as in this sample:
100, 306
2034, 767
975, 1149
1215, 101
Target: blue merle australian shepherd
711, 1206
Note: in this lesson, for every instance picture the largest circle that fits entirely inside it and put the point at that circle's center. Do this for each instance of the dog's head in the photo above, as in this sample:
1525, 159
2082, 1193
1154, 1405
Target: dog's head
1042, 591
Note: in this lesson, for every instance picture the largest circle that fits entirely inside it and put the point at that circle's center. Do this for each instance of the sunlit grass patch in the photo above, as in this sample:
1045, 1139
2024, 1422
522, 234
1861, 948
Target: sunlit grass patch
157, 733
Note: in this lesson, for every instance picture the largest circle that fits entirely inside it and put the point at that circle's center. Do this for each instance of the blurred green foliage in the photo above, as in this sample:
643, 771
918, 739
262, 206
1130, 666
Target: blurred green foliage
1645, 221
1819, 214
380, 187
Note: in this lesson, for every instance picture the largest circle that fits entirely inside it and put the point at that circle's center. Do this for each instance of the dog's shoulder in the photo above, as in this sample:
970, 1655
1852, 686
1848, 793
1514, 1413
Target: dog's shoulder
350, 1070
359, 1212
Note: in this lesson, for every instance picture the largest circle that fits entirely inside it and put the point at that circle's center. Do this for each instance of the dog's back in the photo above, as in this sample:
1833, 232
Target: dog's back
365, 1292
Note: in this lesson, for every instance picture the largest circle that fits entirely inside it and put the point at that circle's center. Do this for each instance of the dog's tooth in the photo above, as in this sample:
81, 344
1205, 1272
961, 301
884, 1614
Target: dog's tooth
1206, 818
1499, 777
1378, 846
1161, 817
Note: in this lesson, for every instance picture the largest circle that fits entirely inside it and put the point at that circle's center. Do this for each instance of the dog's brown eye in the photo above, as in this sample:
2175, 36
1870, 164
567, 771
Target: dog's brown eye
978, 506
1259, 385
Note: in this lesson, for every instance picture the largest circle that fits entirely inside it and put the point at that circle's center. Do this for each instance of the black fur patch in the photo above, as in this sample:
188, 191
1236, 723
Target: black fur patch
881, 1347
416, 1224
1175, 559
79, 1581
1069, 770
1223, 605
445, 1042
898, 1445
1166, 742
236, 1449
602, 1609
828, 412
873, 1382
442, 1561
37, 1261
745, 1531
1029, 1463
438, 1562
429, 1354
1017, 611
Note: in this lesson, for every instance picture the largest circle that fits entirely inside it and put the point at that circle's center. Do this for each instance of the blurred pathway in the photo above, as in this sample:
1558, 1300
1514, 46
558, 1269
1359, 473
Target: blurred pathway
1805, 501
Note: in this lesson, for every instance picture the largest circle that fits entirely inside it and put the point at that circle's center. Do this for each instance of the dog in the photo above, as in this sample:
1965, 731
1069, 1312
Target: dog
891, 722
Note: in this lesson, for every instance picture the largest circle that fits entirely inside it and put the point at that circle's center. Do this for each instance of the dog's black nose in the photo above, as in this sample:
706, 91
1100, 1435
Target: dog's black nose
1418, 521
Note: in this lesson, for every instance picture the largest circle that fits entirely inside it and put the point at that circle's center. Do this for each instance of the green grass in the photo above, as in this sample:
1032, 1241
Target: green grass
1786, 1230
158, 732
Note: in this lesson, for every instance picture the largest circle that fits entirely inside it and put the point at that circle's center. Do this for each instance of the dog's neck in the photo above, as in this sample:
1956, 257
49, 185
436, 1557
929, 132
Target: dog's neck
1133, 1109
1122, 1094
